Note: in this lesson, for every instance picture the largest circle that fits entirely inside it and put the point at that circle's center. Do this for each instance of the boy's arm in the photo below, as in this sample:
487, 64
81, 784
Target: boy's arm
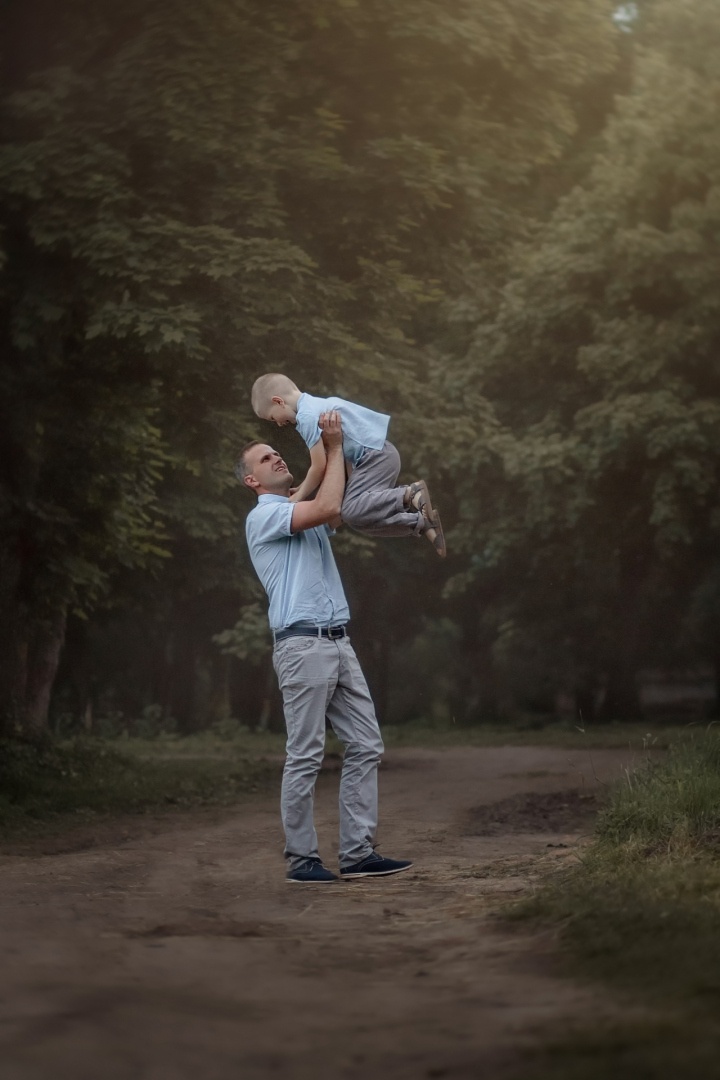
326, 504
314, 475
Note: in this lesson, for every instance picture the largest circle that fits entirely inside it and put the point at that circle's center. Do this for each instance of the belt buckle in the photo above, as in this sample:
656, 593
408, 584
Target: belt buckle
335, 632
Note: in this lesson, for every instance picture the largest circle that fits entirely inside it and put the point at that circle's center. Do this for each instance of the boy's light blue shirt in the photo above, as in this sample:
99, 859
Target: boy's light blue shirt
361, 427
297, 570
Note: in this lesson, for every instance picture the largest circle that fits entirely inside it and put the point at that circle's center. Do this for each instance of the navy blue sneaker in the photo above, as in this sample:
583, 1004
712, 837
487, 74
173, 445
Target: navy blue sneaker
313, 871
374, 866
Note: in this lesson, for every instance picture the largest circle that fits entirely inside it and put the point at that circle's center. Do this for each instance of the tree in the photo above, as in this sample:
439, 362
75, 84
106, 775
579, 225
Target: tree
197, 192
599, 379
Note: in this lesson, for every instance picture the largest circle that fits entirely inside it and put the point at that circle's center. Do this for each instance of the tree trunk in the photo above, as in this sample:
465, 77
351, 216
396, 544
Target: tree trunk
184, 678
13, 646
622, 699
44, 657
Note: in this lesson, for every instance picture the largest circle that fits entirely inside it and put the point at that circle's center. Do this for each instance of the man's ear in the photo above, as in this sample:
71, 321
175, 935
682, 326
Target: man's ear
251, 482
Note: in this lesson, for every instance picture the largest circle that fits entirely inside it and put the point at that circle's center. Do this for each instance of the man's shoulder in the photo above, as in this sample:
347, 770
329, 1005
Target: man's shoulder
269, 520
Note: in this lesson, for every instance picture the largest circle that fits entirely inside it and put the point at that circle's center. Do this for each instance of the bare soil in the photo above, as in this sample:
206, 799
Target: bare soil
176, 950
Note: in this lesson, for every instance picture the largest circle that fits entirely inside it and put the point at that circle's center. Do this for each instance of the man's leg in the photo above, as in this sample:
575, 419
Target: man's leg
352, 715
372, 504
307, 670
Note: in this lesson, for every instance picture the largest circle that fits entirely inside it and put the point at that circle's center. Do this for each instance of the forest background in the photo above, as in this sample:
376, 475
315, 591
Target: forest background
497, 220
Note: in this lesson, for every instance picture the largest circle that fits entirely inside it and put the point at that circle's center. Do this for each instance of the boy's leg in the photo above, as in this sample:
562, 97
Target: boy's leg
307, 670
372, 504
352, 715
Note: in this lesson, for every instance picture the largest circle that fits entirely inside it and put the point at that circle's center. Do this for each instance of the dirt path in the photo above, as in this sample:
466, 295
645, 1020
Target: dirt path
185, 955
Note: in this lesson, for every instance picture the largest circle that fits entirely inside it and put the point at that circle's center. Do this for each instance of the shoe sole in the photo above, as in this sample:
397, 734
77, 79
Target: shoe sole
435, 523
297, 881
375, 873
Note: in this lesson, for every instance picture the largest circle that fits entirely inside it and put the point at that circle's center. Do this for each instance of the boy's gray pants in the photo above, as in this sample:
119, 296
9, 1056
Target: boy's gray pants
320, 678
372, 504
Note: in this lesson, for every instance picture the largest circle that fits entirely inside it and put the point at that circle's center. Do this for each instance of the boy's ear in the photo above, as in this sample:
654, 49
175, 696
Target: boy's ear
278, 401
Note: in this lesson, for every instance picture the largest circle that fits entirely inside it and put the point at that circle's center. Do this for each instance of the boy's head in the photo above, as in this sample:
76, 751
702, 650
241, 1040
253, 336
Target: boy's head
275, 397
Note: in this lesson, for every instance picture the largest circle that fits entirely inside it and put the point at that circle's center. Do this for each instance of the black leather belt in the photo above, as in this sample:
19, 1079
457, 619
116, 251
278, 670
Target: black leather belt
331, 632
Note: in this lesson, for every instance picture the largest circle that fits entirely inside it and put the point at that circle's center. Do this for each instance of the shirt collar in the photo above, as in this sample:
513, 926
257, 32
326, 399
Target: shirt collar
273, 498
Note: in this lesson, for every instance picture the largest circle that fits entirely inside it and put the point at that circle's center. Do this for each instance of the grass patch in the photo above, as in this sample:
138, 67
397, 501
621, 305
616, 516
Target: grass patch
671, 802
641, 912
88, 777
539, 733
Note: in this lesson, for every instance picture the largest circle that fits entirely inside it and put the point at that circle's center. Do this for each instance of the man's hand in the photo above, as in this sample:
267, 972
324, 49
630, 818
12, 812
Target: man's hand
330, 425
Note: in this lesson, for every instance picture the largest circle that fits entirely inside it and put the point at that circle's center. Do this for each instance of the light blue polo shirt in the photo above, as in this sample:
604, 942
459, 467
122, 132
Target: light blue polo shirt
297, 570
361, 427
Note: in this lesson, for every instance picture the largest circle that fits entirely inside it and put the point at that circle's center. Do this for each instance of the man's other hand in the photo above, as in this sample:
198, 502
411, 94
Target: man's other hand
330, 425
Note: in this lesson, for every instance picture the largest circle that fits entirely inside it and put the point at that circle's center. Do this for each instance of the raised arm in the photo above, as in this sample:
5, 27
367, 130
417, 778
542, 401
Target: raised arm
326, 505
315, 473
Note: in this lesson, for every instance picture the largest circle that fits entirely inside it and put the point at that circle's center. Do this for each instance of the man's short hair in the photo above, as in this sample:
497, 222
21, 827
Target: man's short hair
240, 468
266, 388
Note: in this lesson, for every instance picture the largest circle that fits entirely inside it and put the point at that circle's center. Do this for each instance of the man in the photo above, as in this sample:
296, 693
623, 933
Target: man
317, 669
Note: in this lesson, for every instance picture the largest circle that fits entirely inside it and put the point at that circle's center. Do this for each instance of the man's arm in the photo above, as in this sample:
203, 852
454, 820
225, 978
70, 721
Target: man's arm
326, 504
314, 475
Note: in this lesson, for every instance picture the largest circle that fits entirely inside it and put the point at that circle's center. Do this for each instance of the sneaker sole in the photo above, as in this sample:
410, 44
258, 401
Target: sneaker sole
374, 873
297, 881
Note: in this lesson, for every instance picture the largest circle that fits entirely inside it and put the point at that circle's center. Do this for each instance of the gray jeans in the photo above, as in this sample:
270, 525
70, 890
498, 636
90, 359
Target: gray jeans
372, 504
320, 678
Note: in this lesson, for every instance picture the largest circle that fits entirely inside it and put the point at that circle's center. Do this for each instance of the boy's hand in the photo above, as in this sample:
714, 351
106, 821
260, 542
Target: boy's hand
330, 425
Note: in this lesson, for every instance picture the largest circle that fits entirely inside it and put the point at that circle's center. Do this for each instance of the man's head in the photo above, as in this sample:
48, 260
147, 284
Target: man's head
261, 468
275, 397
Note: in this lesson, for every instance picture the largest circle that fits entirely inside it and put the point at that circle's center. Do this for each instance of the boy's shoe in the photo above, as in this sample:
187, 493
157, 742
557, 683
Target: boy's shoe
311, 871
434, 532
374, 866
417, 496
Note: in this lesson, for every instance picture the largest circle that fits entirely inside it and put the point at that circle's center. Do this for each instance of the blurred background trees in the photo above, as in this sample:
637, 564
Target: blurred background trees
496, 221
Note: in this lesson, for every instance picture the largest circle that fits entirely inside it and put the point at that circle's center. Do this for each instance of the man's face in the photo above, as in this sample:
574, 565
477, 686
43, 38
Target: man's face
268, 471
281, 413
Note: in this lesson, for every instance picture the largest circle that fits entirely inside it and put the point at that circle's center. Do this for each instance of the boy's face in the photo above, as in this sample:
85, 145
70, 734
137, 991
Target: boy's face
281, 413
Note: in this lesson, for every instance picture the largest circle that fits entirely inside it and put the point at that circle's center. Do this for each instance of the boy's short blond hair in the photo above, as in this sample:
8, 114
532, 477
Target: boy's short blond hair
266, 388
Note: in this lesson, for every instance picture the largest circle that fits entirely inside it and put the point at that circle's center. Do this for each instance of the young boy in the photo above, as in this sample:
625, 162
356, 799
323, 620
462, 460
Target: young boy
372, 504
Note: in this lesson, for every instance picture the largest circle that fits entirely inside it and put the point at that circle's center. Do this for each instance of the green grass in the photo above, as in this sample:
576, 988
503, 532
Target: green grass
531, 732
670, 801
641, 913
88, 777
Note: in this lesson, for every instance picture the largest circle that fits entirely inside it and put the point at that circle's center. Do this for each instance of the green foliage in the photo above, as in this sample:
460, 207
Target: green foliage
197, 192
249, 639
89, 778
590, 470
